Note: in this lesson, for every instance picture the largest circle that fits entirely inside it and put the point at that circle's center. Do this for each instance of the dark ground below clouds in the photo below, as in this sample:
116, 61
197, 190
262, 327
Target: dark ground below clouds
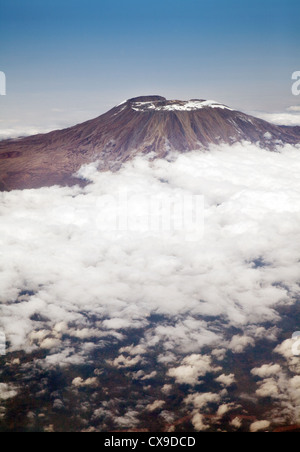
47, 400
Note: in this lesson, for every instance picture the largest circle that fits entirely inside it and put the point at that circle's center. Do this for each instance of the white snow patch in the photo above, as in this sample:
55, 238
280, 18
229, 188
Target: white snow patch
182, 106
122, 103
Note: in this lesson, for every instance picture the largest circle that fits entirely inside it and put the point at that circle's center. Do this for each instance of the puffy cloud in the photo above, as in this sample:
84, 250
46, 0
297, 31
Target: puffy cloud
65, 357
268, 388
266, 370
200, 401
157, 405
286, 349
166, 389
79, 382
129, 420
223, 409
193, 367
239, 343
7, 391
199, 422
259, 425
125, 361
58, 405
188, 335
50, 343
236, 422
118, 324
149, 376
226, 380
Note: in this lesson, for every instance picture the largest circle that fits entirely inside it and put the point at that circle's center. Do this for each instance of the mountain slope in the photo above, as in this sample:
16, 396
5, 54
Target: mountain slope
140, 125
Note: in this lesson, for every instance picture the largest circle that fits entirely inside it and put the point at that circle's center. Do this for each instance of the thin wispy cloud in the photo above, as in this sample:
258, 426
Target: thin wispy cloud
289, 118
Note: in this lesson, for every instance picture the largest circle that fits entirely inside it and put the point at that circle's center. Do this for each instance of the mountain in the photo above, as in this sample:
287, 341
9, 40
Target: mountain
137, 126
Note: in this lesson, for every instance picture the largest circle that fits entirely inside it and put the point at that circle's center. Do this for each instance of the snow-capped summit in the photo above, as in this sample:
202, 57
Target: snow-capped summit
176, 105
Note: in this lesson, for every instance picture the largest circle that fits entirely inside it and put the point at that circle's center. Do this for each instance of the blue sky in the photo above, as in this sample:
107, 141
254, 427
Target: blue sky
69, 59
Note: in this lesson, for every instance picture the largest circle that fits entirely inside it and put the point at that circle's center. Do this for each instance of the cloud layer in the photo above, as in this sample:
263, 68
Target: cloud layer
70, 285
290, 117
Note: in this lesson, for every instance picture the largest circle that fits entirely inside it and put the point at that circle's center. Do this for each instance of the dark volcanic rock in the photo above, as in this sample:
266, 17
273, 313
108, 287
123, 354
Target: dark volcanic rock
138, 126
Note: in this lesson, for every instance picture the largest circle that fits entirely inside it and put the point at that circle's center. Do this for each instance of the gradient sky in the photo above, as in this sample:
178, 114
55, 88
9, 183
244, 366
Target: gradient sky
69, 60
